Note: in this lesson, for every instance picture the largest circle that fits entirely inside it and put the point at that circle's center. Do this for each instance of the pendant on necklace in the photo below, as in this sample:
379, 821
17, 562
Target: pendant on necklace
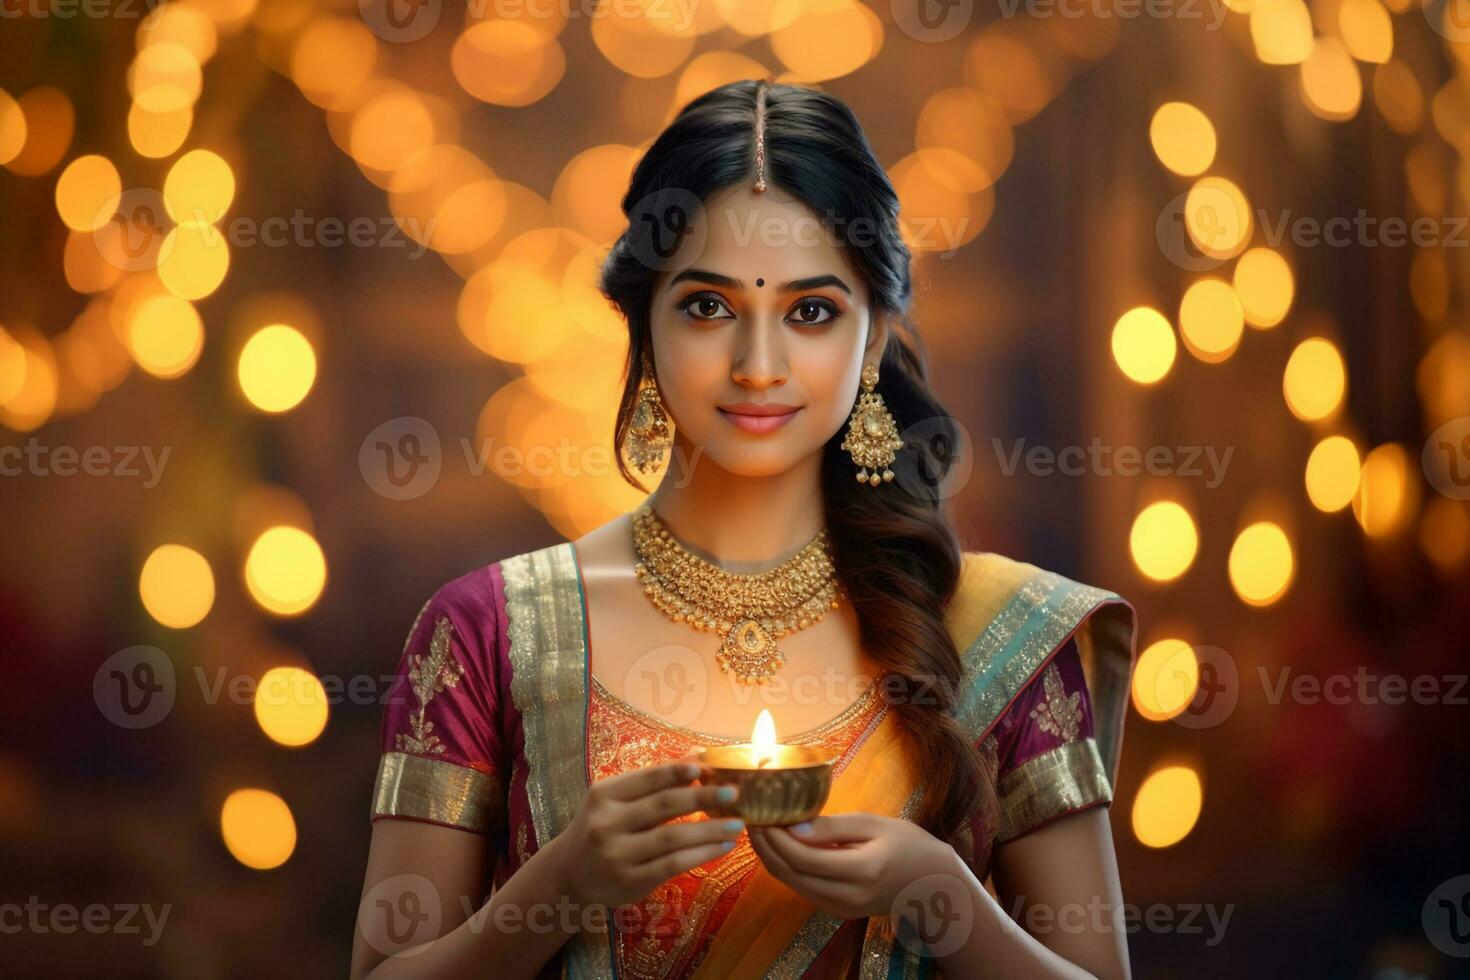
749, 652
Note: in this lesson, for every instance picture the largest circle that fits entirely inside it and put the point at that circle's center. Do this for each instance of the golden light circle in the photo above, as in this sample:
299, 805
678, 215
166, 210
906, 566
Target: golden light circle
1315, 379
1444, 533
1165, 680
1263, 281
1211, 320
1163, 541
1143, 345
165, 78
12, 127
1333, 470
1167, 806
277, 368
1367, 30
1330, 84
84, 189
285, 571
1281, 31
176, 586
1217, 217
257, 828
1183, 138
199, 188
165, 335
158, 134
830, 38
193, 260
1261, 564
1385, 496
291, 706
332, 58
511, 63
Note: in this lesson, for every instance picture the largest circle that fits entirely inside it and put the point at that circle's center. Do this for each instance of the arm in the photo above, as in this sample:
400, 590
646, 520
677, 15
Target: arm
415, 919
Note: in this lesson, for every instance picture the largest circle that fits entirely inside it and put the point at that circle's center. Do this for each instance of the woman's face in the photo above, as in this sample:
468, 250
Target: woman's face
761, 311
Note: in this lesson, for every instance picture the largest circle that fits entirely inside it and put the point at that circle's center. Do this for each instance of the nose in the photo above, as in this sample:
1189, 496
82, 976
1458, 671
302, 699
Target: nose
759, 358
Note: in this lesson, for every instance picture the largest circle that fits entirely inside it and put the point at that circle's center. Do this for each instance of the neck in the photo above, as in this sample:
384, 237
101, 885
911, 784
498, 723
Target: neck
742, 523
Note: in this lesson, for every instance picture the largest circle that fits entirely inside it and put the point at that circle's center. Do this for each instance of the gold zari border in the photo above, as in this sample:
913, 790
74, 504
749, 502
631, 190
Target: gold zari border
438, 791
1059, 781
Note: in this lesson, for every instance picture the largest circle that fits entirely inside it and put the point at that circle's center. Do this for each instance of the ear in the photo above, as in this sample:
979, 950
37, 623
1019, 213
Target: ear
878, 328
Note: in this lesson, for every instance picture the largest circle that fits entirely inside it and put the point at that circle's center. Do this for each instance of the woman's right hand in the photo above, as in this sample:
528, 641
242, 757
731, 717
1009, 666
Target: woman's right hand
619, 847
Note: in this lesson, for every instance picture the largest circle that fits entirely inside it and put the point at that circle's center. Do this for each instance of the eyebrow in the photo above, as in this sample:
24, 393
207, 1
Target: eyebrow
795, 285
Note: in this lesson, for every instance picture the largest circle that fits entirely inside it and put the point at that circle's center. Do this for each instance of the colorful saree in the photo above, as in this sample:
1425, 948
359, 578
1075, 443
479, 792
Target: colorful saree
496, 725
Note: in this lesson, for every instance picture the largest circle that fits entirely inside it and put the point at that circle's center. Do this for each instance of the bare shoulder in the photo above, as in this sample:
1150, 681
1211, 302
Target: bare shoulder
606, 551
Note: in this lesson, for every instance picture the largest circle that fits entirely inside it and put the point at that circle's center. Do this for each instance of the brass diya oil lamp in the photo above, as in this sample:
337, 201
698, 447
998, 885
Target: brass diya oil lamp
779, 784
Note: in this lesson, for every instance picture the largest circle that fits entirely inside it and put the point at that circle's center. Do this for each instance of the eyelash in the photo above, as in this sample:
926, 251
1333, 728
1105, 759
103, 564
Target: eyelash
833, 312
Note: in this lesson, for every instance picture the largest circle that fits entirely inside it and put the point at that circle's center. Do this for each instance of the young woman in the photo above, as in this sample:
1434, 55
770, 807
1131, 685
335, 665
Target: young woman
538, 747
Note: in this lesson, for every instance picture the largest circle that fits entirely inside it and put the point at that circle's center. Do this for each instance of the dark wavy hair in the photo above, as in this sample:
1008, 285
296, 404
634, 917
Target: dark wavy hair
896, 552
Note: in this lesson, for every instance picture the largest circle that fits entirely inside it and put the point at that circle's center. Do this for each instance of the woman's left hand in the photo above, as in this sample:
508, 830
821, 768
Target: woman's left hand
852, 864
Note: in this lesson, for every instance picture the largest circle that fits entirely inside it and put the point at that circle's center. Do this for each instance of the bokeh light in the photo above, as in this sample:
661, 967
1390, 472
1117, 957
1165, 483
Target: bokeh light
1163, 541
257, 828
1167, 806
291, 706
1143, 344
1261, 564
277, 368
177, 586
285, 571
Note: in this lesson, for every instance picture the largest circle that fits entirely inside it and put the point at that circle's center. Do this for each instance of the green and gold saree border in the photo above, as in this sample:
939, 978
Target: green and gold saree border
1043, 609
547, 625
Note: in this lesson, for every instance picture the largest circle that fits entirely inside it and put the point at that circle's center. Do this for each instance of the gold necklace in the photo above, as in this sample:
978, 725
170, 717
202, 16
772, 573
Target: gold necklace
749, 611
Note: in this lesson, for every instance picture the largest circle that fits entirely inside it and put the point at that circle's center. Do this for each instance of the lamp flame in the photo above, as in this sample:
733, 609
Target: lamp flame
763, 739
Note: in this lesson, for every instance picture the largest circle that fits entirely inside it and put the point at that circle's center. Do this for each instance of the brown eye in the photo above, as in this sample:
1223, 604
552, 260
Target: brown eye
809, 311
704, 306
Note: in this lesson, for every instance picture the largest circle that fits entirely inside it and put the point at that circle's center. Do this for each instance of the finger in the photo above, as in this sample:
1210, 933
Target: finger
838, 828
640, 782
661, 869
833, 863
666, 804
668, 838
824, 891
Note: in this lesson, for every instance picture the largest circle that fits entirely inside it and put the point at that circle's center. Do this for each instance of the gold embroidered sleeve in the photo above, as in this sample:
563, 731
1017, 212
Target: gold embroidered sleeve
441, 742
1062, 780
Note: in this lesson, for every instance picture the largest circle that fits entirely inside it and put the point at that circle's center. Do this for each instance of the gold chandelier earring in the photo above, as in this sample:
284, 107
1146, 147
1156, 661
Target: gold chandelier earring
650, 433
872, 434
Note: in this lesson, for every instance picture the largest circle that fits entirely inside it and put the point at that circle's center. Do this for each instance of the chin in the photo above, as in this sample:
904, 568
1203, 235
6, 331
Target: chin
752, 461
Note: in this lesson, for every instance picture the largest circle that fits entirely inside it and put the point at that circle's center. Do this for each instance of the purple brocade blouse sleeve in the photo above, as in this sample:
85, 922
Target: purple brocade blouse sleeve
1048, 760
441, 739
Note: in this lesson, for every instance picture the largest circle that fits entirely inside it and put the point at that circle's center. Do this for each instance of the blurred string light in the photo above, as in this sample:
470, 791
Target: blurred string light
1315, 379
285, 571
177, 586
277, 368
1167, 806
1261, 564
291, 706
1165, 679
1163, 541
258, 828
1333, 471
1143, 345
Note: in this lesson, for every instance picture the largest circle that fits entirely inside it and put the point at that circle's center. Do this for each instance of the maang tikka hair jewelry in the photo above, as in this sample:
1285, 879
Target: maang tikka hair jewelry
872, 434
760, 136
650, 432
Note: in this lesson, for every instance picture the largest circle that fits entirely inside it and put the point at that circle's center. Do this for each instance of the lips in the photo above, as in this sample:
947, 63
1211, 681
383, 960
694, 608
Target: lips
759, 418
